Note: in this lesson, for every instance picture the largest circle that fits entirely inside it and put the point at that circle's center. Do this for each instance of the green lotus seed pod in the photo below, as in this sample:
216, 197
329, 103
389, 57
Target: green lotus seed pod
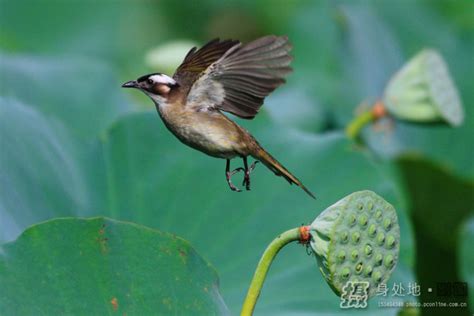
423, 91
349, 252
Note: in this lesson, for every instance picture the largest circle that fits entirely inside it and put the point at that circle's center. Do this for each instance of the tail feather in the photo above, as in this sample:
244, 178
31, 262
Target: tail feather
278, 169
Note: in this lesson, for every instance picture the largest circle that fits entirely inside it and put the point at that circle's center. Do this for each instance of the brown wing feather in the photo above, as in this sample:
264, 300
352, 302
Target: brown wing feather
198, 60
251, 72
239, 80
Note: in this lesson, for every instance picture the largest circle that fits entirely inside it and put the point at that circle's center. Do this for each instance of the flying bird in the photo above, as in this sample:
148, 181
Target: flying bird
222, 76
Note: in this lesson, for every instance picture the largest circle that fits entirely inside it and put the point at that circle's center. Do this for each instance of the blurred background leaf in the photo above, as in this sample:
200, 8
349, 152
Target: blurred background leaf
78, 93
467, 256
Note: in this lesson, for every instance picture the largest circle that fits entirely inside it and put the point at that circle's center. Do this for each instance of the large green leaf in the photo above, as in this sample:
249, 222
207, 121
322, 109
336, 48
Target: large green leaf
100, 266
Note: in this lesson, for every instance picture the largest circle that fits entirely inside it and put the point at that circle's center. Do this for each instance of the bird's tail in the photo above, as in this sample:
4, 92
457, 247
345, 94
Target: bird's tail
277, 168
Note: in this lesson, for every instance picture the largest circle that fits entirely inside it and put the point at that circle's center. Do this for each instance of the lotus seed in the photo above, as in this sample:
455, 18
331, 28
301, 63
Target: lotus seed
370, 206
378, 259
355, 237
387, 224
360, 206
368, 250
351, 220
354, 255
377, 276
388, 262
359, 267
390, 241
378, 215
344, 236
380, 238
341, 256
345, 273
372, 230
363, 220
368, 270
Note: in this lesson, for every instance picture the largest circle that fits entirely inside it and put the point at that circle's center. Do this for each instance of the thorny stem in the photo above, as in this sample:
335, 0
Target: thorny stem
300, 234
376, 112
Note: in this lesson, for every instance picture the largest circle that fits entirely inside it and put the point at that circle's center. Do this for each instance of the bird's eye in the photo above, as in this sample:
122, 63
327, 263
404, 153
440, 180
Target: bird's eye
149, 81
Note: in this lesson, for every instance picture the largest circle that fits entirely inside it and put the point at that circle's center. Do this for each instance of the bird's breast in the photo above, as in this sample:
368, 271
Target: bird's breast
209, 132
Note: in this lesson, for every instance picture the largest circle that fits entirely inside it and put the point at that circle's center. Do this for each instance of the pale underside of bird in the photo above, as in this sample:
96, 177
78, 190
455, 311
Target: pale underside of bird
222, 76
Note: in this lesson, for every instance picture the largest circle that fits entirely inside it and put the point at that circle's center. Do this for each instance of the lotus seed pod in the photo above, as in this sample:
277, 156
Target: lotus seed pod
356, 239
423, 91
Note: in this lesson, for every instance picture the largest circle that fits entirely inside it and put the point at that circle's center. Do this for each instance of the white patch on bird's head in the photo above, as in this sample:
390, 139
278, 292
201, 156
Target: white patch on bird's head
161, 78
157, 86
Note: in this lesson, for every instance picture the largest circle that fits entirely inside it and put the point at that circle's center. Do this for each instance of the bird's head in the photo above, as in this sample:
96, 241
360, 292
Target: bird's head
157, 86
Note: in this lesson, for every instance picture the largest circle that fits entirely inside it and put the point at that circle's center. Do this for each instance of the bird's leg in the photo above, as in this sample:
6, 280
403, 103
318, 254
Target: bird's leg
248, 170
229, 174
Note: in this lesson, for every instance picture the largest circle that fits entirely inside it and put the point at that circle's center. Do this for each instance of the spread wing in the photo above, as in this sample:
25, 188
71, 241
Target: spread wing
198, 60
240, 78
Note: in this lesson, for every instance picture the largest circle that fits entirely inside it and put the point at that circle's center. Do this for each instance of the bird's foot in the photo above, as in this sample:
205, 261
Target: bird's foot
229, 175
246, 181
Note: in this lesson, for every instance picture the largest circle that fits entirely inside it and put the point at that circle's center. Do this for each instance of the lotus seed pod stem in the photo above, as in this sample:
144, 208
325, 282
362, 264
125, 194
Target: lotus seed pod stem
376, 112
296, 234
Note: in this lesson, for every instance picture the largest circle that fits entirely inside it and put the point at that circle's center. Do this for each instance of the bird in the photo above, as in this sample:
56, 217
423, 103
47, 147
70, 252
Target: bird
222, 76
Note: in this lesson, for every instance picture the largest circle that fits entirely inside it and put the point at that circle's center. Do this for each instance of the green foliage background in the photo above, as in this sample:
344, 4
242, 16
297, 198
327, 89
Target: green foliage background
72, 143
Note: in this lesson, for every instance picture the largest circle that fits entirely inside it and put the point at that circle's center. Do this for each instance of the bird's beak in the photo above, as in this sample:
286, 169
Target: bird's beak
130, 84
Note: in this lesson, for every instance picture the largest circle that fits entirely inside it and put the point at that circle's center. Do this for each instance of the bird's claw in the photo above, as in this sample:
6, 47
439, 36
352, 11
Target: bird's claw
236, 170
229, 181
246, 181
253, 165
233, 187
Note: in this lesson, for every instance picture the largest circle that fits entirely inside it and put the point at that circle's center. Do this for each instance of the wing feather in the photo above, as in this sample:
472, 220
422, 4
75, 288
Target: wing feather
239, 80
198, 60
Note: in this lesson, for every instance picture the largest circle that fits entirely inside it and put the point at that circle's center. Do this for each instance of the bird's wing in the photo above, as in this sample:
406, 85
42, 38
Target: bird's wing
198, 60
239, 80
